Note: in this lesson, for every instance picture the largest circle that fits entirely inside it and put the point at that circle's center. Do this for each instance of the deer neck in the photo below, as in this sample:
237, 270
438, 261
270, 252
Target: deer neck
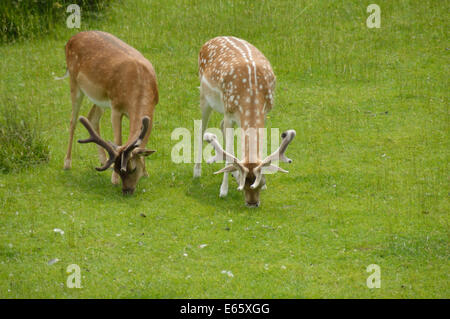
252, 119
136, 125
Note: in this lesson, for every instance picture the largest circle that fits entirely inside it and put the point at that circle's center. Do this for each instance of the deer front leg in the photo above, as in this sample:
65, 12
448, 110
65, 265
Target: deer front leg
229, 147
94, 117
206, 113
116, 120
77, 98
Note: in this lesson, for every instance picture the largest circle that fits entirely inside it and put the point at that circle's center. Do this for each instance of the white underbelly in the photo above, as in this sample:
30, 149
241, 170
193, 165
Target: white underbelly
102, 103
213, 96
216, 103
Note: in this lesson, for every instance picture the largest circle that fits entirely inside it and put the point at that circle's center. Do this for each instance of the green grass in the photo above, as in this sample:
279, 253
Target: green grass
30, 19
368, 185
21, 140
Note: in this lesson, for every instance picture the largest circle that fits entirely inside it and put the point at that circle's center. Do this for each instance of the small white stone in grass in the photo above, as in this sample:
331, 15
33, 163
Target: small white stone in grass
266, 266
58, 230
118, 235
129, 270
228, 273
203, 245
283, 267
185, 255
230, 220
53, 261
17, 213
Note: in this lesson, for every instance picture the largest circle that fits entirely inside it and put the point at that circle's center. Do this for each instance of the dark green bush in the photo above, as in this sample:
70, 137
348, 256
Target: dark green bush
32, 18
21, 142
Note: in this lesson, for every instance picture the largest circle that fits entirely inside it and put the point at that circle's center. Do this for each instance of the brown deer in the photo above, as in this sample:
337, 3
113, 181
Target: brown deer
237, 80
113, 75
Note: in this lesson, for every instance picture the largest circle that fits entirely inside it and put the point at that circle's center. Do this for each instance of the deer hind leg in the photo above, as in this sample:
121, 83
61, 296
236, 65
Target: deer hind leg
94, 117
206, 113
116, 120
229, 147
77, 98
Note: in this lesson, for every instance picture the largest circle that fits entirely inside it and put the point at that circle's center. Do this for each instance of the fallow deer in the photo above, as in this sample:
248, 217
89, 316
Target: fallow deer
237, 80
113, 75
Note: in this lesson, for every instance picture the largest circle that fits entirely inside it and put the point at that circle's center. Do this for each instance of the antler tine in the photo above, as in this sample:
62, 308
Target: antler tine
220, 152
95, 138
287, 137
138, 141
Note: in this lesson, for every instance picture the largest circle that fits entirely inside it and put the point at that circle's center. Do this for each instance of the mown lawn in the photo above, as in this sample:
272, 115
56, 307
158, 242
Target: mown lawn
368, 185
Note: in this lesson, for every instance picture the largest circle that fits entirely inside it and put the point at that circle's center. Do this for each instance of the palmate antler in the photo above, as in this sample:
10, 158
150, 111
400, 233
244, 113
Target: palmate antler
220, 154
126, 154
95, 138
258, 171
112, 149
279, 154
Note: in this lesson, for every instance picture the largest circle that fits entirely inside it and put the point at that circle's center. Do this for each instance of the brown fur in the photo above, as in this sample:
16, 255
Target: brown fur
107, 69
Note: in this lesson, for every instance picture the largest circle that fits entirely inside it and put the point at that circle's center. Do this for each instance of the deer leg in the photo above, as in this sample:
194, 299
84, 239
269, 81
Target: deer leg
206, 113
116, 119
229, 147
145, 173
94, 117
77, 98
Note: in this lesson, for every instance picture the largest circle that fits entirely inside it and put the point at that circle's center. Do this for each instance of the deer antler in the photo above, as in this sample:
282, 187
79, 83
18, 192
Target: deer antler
287, 137
95, 138
220, 154
126, 154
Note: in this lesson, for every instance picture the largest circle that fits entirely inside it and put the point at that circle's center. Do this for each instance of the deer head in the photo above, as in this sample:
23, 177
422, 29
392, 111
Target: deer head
251, 175
128, 160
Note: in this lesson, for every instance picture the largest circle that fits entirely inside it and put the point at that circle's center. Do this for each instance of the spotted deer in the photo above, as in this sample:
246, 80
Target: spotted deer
237, 80
113, 75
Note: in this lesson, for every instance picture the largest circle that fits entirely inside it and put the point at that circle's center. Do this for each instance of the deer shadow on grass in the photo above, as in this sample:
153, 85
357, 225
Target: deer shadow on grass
97, 186
205, 190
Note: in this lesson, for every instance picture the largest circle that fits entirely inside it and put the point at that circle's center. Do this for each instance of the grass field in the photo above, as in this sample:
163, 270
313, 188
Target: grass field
368, 185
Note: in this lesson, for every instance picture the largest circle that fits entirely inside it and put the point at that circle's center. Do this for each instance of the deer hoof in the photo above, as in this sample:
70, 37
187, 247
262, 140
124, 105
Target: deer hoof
67, 163
197, 171
223, 191
115, 178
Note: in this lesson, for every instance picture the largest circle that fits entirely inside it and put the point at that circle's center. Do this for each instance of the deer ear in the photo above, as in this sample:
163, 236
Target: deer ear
143, 152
